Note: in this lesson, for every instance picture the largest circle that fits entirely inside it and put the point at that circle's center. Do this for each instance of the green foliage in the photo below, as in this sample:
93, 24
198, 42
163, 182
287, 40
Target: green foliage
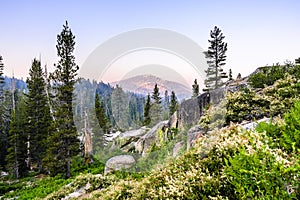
155, 113
245, 105
63, 142
38, 114
268, 75
18, 137
156, 95
214, 116
282, 95
156, 156
195, 88
120, 108
33, 188
147, 118
3, 129
291, 132
216, 60
78, 166
2, 81
5, 113
228, 164
258, 175
100, 114
174, 104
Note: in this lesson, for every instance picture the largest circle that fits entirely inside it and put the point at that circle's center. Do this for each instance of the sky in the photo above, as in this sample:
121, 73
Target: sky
258, 32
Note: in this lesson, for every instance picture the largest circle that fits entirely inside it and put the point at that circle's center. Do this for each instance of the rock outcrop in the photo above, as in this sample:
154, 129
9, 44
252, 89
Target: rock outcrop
126, 141
189, 111
118, 163
153, 136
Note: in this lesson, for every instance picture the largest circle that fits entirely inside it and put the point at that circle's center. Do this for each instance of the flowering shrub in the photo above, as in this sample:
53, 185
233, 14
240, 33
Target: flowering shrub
230, 163
245, 105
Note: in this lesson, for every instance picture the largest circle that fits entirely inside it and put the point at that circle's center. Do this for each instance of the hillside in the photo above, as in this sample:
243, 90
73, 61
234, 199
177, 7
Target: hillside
249, 150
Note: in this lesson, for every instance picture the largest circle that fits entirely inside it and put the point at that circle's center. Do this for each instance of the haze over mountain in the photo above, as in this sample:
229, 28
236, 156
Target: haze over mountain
144, 84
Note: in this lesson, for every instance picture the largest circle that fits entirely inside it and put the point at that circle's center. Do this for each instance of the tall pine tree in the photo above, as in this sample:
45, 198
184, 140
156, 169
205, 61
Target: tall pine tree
174, 104
2, 81
17, 157
156, 108
156, 95
147, 119
38, 114
3, 133
101, 114
216, 60
120, 108
64, 142
5, 126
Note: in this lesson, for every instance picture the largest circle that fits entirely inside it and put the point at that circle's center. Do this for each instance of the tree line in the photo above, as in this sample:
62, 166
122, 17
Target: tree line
37, 127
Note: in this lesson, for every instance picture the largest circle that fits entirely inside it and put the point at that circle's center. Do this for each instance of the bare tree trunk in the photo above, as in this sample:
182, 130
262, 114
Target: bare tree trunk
87, 140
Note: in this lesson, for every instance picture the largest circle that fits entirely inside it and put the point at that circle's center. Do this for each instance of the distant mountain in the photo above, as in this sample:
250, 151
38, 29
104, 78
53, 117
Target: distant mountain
144, 84
19, 83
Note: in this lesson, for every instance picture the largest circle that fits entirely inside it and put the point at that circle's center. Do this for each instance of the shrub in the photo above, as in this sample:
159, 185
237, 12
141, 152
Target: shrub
268, 75
291, 133
260, 176
245, 105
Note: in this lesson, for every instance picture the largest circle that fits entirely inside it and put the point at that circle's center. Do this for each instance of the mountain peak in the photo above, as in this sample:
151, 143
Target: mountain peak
144, 84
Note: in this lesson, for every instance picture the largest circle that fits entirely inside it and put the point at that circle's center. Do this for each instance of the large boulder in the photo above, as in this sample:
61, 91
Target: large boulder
118, 163
153, 136
128, 138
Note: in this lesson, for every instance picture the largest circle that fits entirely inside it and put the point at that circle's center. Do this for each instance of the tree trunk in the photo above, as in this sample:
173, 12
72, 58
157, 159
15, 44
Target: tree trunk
68, 172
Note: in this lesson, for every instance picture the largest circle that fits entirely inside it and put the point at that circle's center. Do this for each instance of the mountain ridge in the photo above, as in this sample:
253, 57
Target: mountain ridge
144, 84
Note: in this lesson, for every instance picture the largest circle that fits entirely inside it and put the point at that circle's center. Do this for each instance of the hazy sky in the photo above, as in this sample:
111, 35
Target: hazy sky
258, 32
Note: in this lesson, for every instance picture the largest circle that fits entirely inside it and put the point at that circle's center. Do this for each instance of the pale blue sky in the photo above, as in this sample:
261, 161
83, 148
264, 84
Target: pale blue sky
257, 32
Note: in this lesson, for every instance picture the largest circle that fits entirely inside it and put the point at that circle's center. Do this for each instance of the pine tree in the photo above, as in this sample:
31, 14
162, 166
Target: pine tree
1, 79
155, 95
100, 114
216, 60
195, 88
64, 142
3, 134
147, 119
38, 114
120, 108
174, 104
156, 108
230, 75
17, 152
6, 113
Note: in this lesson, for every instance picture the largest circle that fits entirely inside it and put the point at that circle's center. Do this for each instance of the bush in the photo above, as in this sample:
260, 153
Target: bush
270, 129
245, 105
260, 176
268, 75
291, 134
